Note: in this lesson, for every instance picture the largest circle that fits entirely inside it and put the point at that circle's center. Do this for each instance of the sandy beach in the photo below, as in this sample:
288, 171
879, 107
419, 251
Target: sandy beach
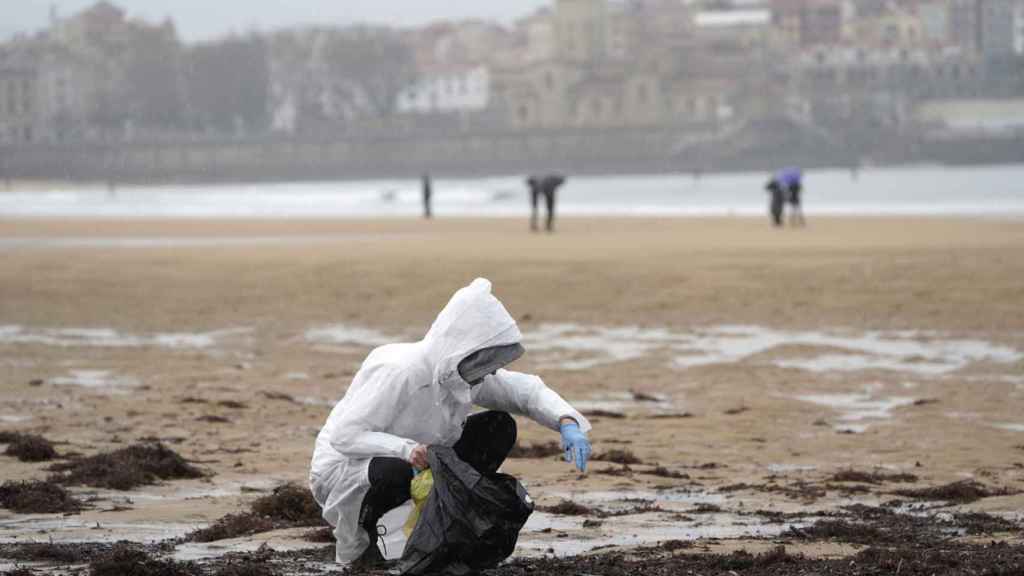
750, 361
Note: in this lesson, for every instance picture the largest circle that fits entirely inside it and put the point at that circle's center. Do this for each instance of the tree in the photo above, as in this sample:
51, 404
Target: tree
228, 84
369, 65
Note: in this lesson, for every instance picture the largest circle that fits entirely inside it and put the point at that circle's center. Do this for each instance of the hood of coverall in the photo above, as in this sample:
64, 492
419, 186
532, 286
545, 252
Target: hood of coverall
473, 320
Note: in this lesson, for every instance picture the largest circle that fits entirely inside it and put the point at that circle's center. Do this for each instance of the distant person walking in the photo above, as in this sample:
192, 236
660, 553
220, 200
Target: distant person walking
428, 193
777, 200
547, 187
791, 180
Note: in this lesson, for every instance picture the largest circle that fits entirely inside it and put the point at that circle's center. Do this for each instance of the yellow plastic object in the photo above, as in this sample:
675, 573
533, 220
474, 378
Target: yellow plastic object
420, 489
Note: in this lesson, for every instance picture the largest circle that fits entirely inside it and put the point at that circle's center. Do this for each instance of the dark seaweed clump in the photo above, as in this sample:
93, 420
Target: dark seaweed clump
545, 450
128, 560
871, 477
290, 503
37, 497
27, 447
963, 492
127, 468
617, 456
50, 552
289, 506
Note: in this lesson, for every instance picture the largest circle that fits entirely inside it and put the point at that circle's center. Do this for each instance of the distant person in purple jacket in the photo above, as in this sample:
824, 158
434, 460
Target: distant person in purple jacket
791, 181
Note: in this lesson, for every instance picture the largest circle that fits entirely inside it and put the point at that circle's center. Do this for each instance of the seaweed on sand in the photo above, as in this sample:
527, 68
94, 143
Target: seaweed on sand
27, 447
290, 503
126, 559
617, 456
871, 477
663, 472
964, 491
545, 450
50, 552
233, 526
127, 468
570, 508
289, 506
37, 497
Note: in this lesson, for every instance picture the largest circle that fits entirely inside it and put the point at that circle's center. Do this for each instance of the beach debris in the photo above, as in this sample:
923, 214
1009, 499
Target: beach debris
27, 447
590, 523
127, 468
599, 413
279, 396
736, 410
663, 472
233, 526
213, 419
671, 416
618, 456
126, 559
570, 508
50, 552
323, 535
193, 400
926, 401
545, 450
639, 396
868, 525
37, 497
625, 470
36, 382
962, 492
288, 506
705, 508
233, 404
871, 477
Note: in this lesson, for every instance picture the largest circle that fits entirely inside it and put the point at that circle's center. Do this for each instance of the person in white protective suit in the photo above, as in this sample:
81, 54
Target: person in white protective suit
406, 397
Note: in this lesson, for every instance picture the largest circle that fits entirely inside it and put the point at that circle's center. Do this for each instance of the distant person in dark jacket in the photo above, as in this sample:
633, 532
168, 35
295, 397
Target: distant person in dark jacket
428, 193
776, 202
547, 187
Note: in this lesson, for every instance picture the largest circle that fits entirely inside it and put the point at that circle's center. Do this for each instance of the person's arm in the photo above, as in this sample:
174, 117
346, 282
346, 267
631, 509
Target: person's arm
363, 423
527, 395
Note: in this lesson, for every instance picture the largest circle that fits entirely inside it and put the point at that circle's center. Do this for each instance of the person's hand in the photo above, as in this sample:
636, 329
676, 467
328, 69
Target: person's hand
575, 444
418, 457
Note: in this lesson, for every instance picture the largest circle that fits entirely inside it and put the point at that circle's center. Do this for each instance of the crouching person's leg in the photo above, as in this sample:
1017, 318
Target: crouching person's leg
389, 489
486, 440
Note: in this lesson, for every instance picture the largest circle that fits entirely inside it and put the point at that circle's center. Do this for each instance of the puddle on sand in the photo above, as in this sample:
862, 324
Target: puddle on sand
58, 529
624, 402
196, 492
540, 535
14, 418
575, 347
279, 541
342, 334
855, 408
96, 380
109, 338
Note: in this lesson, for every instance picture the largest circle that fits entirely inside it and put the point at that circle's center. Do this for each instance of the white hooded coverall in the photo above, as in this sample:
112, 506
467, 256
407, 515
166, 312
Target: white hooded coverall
409, 394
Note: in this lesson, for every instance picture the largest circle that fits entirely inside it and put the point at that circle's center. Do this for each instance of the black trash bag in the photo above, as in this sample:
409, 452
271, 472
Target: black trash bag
470, 522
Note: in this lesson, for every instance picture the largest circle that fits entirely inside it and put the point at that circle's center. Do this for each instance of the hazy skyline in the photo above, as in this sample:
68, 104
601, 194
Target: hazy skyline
203, 19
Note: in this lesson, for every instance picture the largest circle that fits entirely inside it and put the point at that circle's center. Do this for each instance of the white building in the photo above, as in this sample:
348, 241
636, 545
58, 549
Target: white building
452, 89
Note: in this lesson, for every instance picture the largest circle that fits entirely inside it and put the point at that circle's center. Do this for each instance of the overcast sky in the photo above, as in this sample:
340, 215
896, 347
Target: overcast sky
201, 19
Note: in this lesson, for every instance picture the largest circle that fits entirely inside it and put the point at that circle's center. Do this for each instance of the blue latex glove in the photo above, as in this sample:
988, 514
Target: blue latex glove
576, 445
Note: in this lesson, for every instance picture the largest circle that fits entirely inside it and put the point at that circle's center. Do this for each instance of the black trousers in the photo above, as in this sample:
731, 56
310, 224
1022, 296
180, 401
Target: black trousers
487, 438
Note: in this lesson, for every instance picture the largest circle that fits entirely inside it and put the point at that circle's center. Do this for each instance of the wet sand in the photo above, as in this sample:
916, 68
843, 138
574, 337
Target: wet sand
721, 349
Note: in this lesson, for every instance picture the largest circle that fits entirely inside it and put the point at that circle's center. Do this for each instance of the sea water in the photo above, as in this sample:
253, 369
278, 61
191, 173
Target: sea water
909, 190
